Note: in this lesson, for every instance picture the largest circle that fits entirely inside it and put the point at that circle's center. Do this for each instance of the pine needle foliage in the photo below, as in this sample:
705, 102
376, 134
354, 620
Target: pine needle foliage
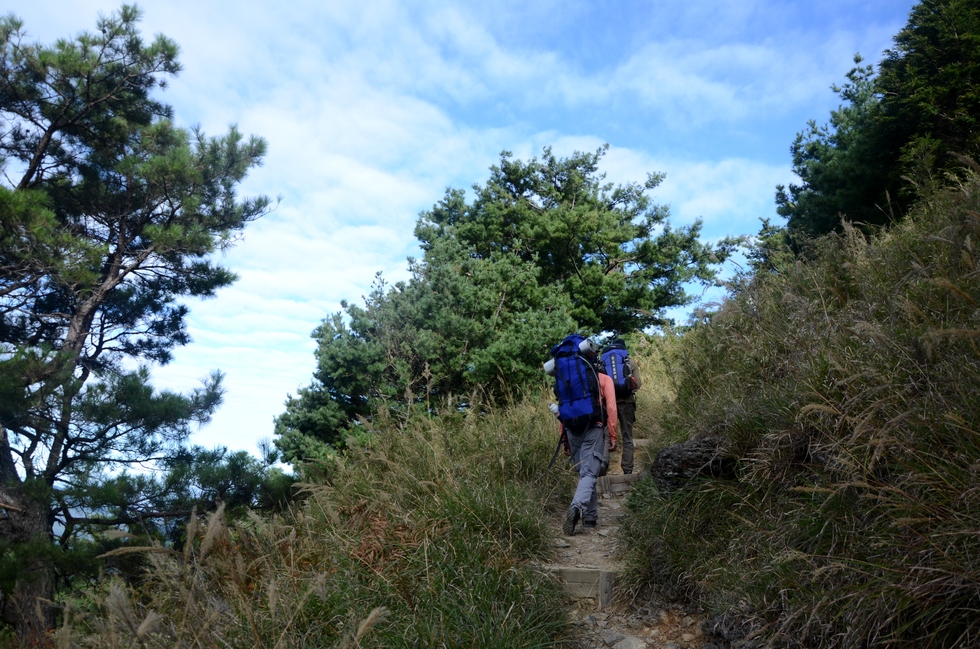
428, 535
847, 387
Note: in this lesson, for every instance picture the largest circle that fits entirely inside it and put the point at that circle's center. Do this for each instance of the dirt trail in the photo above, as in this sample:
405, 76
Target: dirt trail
621, 625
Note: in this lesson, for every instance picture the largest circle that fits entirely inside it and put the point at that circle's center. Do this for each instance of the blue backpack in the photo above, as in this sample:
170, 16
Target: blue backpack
614, 358
576, 386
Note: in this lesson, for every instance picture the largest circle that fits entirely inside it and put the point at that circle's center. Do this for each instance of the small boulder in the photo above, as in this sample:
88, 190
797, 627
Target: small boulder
675, 466
611, 637
631, 642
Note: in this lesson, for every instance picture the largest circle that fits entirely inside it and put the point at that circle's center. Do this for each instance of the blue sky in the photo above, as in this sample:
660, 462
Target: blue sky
371, 108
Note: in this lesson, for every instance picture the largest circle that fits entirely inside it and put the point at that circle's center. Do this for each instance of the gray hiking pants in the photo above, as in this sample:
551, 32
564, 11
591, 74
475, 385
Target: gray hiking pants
587, 453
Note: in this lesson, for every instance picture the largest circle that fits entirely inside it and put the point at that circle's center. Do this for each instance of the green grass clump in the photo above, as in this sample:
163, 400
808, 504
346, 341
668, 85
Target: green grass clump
429, 535
847, 387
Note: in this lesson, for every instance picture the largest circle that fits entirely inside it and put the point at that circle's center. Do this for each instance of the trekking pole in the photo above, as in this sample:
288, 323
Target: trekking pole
561, 436
555, 456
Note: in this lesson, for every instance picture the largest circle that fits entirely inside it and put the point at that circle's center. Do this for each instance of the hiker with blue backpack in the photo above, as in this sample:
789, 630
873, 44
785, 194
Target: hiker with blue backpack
586, 408
625, 375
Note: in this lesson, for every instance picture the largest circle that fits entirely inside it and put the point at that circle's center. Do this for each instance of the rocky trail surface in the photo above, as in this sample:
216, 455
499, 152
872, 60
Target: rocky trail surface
605, 620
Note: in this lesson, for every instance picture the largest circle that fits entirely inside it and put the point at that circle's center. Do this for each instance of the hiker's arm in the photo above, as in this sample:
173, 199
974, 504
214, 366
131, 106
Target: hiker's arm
635, 372
608, 391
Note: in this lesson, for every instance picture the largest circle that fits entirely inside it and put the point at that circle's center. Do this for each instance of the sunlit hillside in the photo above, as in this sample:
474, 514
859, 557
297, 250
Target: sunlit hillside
844, 386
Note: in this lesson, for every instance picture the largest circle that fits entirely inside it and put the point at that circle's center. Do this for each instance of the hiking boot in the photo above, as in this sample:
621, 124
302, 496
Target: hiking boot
589, 524
571, 520
625, 472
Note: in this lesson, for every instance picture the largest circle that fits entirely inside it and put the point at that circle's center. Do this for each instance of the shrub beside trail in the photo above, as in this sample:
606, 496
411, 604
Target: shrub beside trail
847, 388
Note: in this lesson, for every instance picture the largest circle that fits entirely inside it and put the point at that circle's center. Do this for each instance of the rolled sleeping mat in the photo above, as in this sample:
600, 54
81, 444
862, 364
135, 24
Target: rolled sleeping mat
549, 367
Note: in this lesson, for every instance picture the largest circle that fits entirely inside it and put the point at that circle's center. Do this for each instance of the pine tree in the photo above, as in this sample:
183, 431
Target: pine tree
898, 135
110, 218
545, 248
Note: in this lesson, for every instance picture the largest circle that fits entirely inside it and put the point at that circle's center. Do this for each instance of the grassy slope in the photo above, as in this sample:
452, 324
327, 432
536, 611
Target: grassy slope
428, 538
848, 389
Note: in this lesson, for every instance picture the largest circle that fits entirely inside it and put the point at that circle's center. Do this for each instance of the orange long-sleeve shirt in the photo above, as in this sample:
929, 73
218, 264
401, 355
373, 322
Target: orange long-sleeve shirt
607, 392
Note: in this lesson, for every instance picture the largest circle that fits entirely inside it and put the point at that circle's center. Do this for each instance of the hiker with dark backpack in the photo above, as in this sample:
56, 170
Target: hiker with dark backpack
586, 405
625, 375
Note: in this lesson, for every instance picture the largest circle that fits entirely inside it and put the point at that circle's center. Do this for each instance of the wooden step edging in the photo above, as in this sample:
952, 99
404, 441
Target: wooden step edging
616, 484
587, 582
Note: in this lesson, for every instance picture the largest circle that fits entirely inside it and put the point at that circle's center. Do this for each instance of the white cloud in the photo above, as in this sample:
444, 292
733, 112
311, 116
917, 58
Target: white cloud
729, 195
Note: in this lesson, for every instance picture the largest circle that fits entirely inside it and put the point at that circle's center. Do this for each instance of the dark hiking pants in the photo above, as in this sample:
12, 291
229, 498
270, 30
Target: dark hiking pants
627, 417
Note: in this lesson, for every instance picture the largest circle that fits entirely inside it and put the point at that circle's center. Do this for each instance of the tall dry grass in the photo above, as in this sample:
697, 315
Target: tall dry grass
847, 387
655, 398
429, 535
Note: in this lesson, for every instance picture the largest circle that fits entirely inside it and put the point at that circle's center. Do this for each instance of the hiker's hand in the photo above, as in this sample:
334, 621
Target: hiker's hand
612, 446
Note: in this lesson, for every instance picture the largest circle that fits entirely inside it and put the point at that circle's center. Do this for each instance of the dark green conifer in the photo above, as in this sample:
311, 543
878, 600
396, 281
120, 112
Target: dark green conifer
110, 213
